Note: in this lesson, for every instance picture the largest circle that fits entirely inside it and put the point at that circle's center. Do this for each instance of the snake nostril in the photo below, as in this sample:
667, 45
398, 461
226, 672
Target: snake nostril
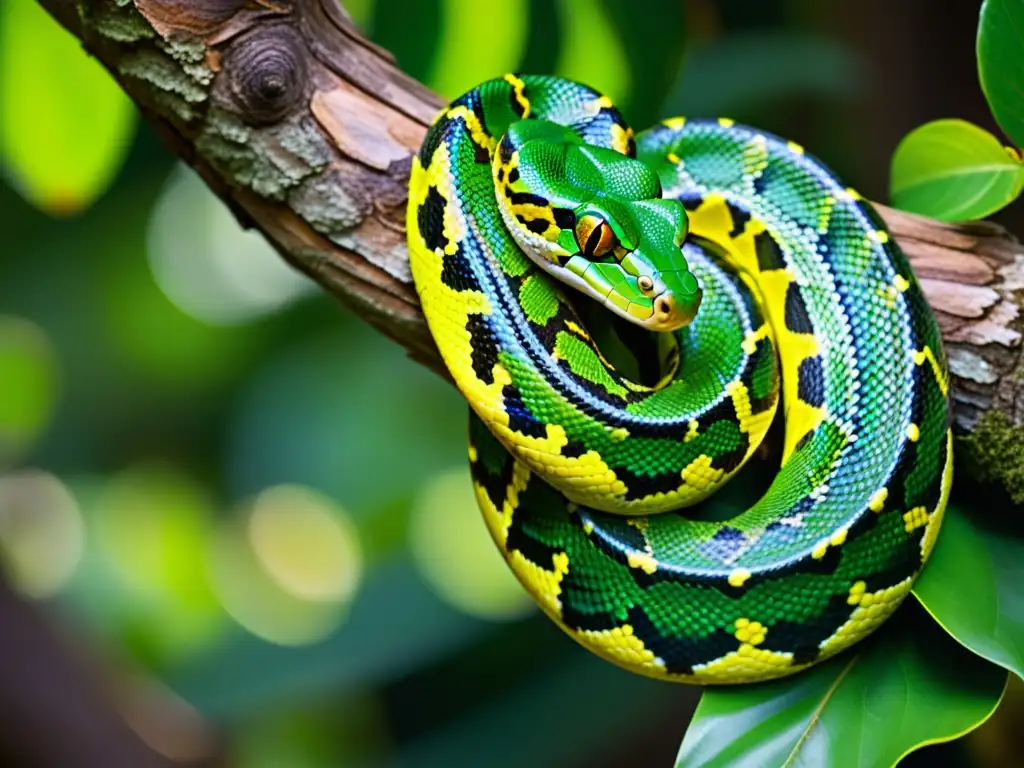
662, 305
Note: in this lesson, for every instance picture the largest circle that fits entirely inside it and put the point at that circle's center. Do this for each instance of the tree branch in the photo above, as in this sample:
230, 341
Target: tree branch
307, 130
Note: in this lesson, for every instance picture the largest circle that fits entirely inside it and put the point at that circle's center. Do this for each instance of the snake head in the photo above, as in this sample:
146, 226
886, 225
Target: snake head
595, 220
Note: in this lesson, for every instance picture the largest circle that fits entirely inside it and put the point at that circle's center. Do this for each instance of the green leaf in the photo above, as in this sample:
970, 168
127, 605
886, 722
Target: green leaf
591, 50
909, 686
28, 386
474, 46
972, 587
1001, 63
954, 171
65, 125
653, 44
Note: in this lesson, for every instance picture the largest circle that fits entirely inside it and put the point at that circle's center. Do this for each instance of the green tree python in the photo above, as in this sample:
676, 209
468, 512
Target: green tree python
742, 274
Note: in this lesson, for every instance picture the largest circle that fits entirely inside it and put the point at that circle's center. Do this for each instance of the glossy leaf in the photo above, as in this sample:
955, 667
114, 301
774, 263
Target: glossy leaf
972, 587
1001, 63
653, 43
65, 125
910, 686
954, 171
474, 46
587, 28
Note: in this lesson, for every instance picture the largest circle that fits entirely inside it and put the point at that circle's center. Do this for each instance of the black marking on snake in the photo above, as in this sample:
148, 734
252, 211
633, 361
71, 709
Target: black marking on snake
811, 381
896, 497
721, 414
480, 154
764, 356
904, 563
525, 198
520, 418
825, 565
691, 200
872, 215
740, 217
597, 391
456, 272
798, 320
631, 151
495, 484
537, 226
613, 535
484, 345
926, 456
615, 116
565, 218
722, 411
501, 175
430, 218
578, 620
864, 523
727, 462
573, 449
681, 653
476, 103
434, 138
513, 176
532, 548
520, 102
769, 253
804, 638
505, 150
640, 485
803, 441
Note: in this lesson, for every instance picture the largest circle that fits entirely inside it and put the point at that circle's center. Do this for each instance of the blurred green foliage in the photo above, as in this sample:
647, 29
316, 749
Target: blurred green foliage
236, 488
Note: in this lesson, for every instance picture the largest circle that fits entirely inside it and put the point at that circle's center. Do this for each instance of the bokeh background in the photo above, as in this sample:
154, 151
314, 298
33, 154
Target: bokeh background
245, 514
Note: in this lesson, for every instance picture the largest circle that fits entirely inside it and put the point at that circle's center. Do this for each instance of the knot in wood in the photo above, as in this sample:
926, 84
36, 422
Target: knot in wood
268, 73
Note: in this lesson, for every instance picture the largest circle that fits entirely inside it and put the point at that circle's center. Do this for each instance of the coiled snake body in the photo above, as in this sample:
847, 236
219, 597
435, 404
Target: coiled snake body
739, 272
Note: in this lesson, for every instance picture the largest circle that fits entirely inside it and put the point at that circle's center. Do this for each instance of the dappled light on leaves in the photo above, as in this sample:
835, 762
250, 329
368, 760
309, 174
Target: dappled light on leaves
349, 416
350, 731
41, 532
455, 554
591, 50
287, 568
473, 46
65, 125
307, 544
209, 266
27, 386
152, 525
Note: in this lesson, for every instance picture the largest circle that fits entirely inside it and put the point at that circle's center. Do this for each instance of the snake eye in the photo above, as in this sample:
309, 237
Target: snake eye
594, 237
645, 283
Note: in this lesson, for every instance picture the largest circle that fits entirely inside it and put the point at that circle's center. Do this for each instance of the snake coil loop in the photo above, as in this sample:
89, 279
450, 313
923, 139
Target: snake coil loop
531, 193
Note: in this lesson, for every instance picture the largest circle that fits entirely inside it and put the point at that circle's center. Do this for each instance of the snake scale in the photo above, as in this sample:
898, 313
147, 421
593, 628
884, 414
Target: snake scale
738, 274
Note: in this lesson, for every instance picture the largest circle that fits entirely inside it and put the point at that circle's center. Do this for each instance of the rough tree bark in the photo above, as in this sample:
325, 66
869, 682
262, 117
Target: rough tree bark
307, 130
